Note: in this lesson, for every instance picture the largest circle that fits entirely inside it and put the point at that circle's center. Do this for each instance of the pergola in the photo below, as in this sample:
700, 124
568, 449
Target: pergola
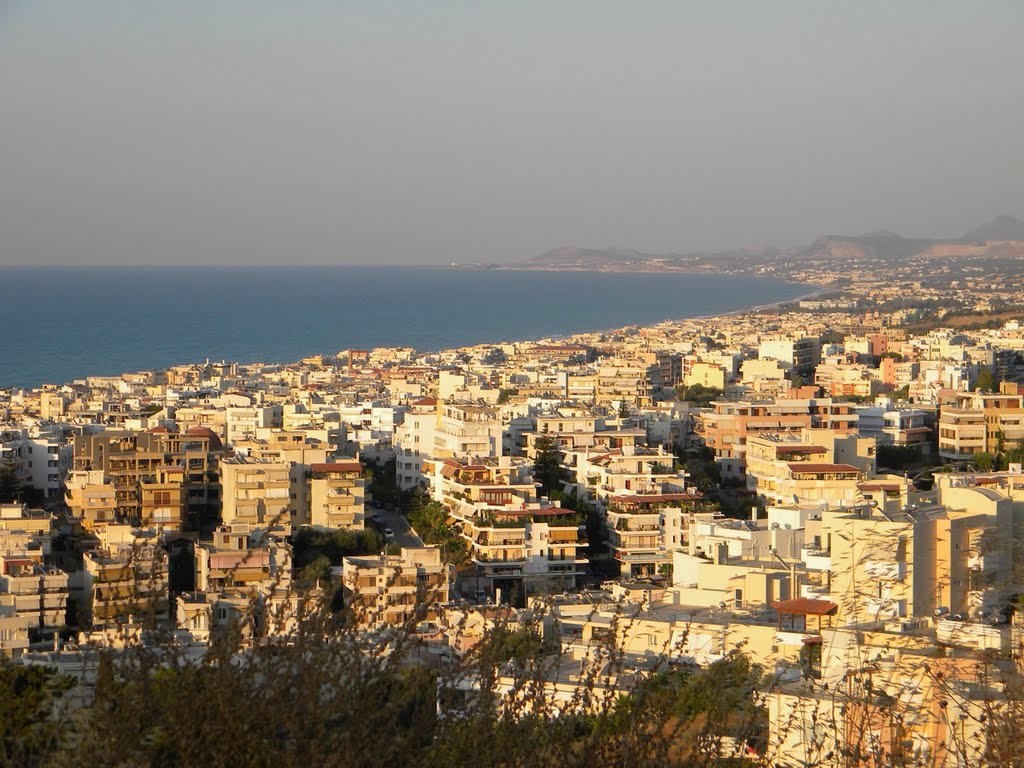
806, 606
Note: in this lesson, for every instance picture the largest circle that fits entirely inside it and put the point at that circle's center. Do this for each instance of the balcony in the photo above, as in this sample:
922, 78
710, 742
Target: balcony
817, 559
985, 563
881, 608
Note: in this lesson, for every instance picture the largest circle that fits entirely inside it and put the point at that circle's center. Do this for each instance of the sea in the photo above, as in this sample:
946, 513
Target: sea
62, 324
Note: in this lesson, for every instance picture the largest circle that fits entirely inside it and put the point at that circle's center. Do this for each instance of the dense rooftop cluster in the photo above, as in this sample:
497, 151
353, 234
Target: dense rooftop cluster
832, 494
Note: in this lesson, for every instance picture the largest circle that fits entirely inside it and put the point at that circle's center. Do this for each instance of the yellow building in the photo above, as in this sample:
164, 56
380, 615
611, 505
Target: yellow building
126, 579
91, 498
980, 422
390, 590
337, 496
257, 492
240, 560
811, 465
952, 555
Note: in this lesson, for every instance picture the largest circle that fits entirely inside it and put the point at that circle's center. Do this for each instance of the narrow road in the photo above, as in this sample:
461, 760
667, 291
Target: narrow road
394, 520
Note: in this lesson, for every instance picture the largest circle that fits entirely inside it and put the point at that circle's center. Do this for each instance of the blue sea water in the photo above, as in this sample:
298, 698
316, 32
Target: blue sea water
60, 324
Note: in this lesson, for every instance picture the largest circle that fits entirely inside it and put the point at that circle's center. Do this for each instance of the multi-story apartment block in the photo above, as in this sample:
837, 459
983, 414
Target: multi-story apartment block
39, 593
131, 460
467, 430
259, 492
847, 379
126, 579
646, 528
14, 628
284, 446
242, 422
92, 498
162, 498
390, 590
624, 382
26, 529
951, 555
515, 540
814, 465
599, 474
337, 495
242, 559
414, 441
40, 456
726, 427
980, 422
890, 425
797, 355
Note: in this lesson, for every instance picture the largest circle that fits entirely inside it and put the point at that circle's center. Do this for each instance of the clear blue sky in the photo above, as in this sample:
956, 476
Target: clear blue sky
423, 132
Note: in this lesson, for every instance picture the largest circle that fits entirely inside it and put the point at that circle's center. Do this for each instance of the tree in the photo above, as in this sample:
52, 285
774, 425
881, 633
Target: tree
505, 394
309, 546
987, 381
898, 457
495, 356
547, 466
10, 486
1015, 455
698, 395
430, 521
27, 728
984, 461
317, 571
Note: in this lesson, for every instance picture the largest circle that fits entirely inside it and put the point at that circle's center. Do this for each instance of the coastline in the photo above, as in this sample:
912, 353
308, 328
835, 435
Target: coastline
62, 355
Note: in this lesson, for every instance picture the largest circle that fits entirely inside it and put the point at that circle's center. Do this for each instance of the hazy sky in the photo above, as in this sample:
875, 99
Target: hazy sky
424, 132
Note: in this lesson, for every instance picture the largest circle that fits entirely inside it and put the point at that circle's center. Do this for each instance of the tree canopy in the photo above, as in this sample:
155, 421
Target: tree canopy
547, 465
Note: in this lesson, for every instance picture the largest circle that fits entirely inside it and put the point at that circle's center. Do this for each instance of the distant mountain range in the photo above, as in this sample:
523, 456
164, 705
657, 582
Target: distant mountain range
1000, 228
881, 246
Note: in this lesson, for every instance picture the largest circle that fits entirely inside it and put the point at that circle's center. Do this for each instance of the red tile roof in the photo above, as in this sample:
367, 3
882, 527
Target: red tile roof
341, 466
806, 606
800, 466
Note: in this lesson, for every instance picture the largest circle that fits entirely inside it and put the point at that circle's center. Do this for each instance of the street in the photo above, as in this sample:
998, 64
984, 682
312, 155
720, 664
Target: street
394, 520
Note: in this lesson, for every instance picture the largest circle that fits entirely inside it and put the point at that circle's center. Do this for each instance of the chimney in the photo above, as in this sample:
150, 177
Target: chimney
753, 514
